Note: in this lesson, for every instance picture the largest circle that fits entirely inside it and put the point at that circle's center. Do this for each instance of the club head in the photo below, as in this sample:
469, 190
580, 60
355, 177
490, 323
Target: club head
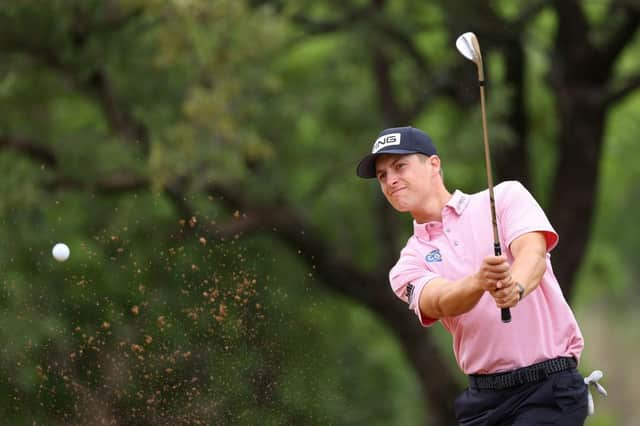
468, 46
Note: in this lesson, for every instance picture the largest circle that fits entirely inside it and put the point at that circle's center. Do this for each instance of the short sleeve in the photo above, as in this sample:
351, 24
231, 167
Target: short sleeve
408, 278
519, 213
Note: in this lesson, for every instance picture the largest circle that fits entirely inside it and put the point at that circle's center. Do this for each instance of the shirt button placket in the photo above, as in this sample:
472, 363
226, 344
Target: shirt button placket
452, 238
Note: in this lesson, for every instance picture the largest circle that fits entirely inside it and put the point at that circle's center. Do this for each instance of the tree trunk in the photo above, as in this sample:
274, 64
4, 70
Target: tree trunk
434, 372
575, 184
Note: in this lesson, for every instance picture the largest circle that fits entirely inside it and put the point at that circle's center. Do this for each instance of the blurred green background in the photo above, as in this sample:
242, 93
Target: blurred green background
227, 267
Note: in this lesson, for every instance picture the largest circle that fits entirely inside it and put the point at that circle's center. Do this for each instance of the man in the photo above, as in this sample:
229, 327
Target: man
520, 373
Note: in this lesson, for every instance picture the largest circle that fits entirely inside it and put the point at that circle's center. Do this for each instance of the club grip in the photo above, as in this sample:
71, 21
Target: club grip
505, 313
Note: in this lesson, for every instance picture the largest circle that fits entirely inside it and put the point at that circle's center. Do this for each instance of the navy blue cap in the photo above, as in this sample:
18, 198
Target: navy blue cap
395, 140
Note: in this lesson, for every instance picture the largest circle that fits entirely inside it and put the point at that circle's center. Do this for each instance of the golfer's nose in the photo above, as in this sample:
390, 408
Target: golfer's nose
392, 178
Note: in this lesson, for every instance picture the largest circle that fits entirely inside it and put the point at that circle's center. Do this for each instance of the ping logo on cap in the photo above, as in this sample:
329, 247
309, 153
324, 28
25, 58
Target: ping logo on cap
386, 140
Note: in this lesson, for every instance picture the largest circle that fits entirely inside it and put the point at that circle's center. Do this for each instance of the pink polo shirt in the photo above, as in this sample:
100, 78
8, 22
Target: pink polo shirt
542, 326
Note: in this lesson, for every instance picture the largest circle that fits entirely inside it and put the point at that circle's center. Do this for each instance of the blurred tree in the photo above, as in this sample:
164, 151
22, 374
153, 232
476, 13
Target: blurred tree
196, 110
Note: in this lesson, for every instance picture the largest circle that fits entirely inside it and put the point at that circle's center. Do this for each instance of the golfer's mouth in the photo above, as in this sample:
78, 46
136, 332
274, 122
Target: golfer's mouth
395, 191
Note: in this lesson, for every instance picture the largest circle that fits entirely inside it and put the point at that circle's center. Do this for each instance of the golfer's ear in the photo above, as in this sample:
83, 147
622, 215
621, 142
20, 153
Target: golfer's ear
435, 163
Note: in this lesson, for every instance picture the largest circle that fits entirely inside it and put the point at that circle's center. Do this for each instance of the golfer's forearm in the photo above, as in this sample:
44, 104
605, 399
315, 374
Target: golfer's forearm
528, 270
442, 298
530, 261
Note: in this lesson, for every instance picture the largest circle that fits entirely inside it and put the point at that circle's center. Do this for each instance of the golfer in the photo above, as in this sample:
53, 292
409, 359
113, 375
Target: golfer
520, 373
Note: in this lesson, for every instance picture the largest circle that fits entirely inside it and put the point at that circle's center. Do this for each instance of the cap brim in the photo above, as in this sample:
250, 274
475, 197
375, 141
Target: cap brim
367, 167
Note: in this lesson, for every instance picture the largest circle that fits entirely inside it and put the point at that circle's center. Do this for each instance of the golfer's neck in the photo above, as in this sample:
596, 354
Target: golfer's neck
431, 209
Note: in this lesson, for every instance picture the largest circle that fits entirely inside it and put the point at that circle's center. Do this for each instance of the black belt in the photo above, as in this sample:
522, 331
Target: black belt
533, 373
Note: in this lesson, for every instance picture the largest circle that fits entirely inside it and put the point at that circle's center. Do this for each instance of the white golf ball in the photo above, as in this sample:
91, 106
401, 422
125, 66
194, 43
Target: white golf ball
60, 252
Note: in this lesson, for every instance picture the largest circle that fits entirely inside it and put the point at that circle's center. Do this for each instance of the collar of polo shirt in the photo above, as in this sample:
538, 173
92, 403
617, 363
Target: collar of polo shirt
457, 203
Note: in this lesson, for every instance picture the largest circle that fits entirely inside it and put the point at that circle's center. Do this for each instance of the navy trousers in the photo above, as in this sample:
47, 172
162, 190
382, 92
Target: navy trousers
560, 399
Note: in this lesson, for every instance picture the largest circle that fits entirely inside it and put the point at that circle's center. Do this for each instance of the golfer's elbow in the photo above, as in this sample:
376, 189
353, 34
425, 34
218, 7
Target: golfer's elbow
430, 308
434, 301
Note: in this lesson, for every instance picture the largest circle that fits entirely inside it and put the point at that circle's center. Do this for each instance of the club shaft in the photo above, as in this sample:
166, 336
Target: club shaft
505, 313
487, 160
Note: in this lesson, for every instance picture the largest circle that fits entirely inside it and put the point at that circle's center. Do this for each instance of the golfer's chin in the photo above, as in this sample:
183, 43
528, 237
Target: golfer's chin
400, 206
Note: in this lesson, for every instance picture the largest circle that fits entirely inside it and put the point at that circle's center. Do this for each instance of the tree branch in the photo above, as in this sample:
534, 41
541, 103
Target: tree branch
317, 26
573, 26
529, 12
406, 43
619, 93
371, 288
119, 182
31, 149
125, 181
292, 227
120, 120
610, 51
96, 83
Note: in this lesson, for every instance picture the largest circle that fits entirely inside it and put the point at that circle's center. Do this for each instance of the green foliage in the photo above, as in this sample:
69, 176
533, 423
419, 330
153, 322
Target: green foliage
611, 270
140, 326
156, 319
148, 322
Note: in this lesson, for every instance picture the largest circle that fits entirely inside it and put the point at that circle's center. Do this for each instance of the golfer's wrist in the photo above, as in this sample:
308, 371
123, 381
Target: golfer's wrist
522, 291
477, 284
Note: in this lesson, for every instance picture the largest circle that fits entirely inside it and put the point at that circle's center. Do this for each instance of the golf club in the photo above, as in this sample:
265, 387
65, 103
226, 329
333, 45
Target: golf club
469, 47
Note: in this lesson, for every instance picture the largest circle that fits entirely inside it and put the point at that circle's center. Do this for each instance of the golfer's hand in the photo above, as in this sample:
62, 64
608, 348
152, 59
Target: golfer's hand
493, 273
506, 293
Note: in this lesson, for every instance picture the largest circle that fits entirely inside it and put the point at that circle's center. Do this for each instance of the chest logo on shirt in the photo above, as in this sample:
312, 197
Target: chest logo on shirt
433, 256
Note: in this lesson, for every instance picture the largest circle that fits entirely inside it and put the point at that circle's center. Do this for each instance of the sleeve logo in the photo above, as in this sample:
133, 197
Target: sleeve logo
409, 292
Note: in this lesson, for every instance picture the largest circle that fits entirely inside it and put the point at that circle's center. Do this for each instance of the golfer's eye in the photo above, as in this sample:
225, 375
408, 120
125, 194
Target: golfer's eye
382, 175
400, 165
